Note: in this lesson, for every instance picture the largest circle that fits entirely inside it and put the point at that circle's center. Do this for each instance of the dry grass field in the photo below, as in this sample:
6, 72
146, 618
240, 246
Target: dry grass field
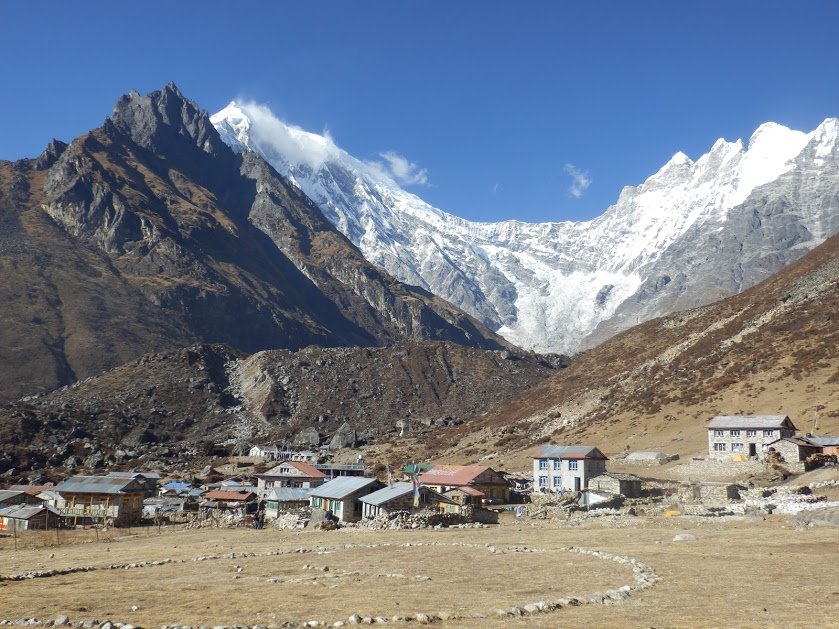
737, 573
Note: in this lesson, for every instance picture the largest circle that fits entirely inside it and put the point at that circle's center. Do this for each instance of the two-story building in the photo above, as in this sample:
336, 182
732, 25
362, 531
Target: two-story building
442, 478
746, 436
97, 498
566, 468
289, 474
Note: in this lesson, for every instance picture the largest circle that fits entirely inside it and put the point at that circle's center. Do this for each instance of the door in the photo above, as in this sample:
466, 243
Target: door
576, 483
752, 449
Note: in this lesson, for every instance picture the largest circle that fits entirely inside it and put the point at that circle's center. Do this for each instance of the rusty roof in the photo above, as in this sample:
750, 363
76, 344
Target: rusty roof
300, 466
452, 474
466, 489
229, 496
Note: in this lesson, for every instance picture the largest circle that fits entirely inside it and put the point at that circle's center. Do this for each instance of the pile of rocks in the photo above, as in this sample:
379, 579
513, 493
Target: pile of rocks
293, 519
418, 520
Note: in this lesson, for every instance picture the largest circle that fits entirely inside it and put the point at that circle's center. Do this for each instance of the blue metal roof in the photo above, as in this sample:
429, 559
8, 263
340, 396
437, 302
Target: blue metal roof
380, 497
569, 452
342, 487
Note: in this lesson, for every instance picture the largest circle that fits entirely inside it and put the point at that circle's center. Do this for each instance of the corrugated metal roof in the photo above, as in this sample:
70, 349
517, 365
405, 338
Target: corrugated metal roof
751, 421
31, 490
98, 485
342, 486
386, 494
569, 452
289, 494
617, 476
6, 494
799, 441
825, 441
452, 474
466, 489
231, 496
24, 512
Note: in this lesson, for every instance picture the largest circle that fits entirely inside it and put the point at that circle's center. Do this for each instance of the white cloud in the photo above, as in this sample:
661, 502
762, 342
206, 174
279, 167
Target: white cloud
276, 138
404, 171
580, 180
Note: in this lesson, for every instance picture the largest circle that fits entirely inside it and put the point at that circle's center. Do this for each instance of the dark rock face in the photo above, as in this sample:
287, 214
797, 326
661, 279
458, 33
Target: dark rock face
172, 406
149, 233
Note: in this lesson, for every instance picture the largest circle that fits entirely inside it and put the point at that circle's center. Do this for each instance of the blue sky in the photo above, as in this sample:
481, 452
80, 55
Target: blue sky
507, 106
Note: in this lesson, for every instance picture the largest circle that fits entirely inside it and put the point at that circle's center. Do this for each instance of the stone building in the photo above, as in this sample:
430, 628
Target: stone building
745, 436
627, 485
566, 468
792, 451
289, 474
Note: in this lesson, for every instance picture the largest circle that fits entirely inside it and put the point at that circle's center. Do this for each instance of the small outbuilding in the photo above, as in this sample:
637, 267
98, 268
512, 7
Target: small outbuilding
24, 517
627, 485
282, 499
459, 498
647, 457
400, 497
342, 496
792, 450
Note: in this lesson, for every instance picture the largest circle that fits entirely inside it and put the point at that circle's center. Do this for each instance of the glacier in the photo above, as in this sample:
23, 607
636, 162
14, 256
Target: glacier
563, 286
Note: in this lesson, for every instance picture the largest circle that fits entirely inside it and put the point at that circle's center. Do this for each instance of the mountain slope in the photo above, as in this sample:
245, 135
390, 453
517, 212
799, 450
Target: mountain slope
770, 349
563, 286
165, 404
146, 234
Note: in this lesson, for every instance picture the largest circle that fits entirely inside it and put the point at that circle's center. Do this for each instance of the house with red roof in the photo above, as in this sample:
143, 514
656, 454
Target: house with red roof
442, 478
289, 474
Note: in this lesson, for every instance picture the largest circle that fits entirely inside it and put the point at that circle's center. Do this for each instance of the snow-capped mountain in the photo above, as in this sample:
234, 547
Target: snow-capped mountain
693, 232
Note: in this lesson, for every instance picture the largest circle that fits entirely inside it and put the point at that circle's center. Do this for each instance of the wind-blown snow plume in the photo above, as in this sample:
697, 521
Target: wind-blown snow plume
692, 232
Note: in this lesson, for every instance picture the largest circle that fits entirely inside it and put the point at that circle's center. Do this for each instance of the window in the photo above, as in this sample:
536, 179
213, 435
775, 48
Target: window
719, 447
735, 433
543, 464
543, 481
718, 433
751, 433
557, 464
768, 433
736, 447
572, 465
557, 481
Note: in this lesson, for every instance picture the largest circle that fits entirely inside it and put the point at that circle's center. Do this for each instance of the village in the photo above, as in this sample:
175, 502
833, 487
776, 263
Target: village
747, 479
294, 490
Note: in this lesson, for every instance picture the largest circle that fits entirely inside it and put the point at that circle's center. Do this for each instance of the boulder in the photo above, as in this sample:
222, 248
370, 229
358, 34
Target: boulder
307, 437
345, 437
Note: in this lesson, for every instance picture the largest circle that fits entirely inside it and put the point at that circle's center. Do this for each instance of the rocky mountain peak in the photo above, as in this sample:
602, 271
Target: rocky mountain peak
165, 122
